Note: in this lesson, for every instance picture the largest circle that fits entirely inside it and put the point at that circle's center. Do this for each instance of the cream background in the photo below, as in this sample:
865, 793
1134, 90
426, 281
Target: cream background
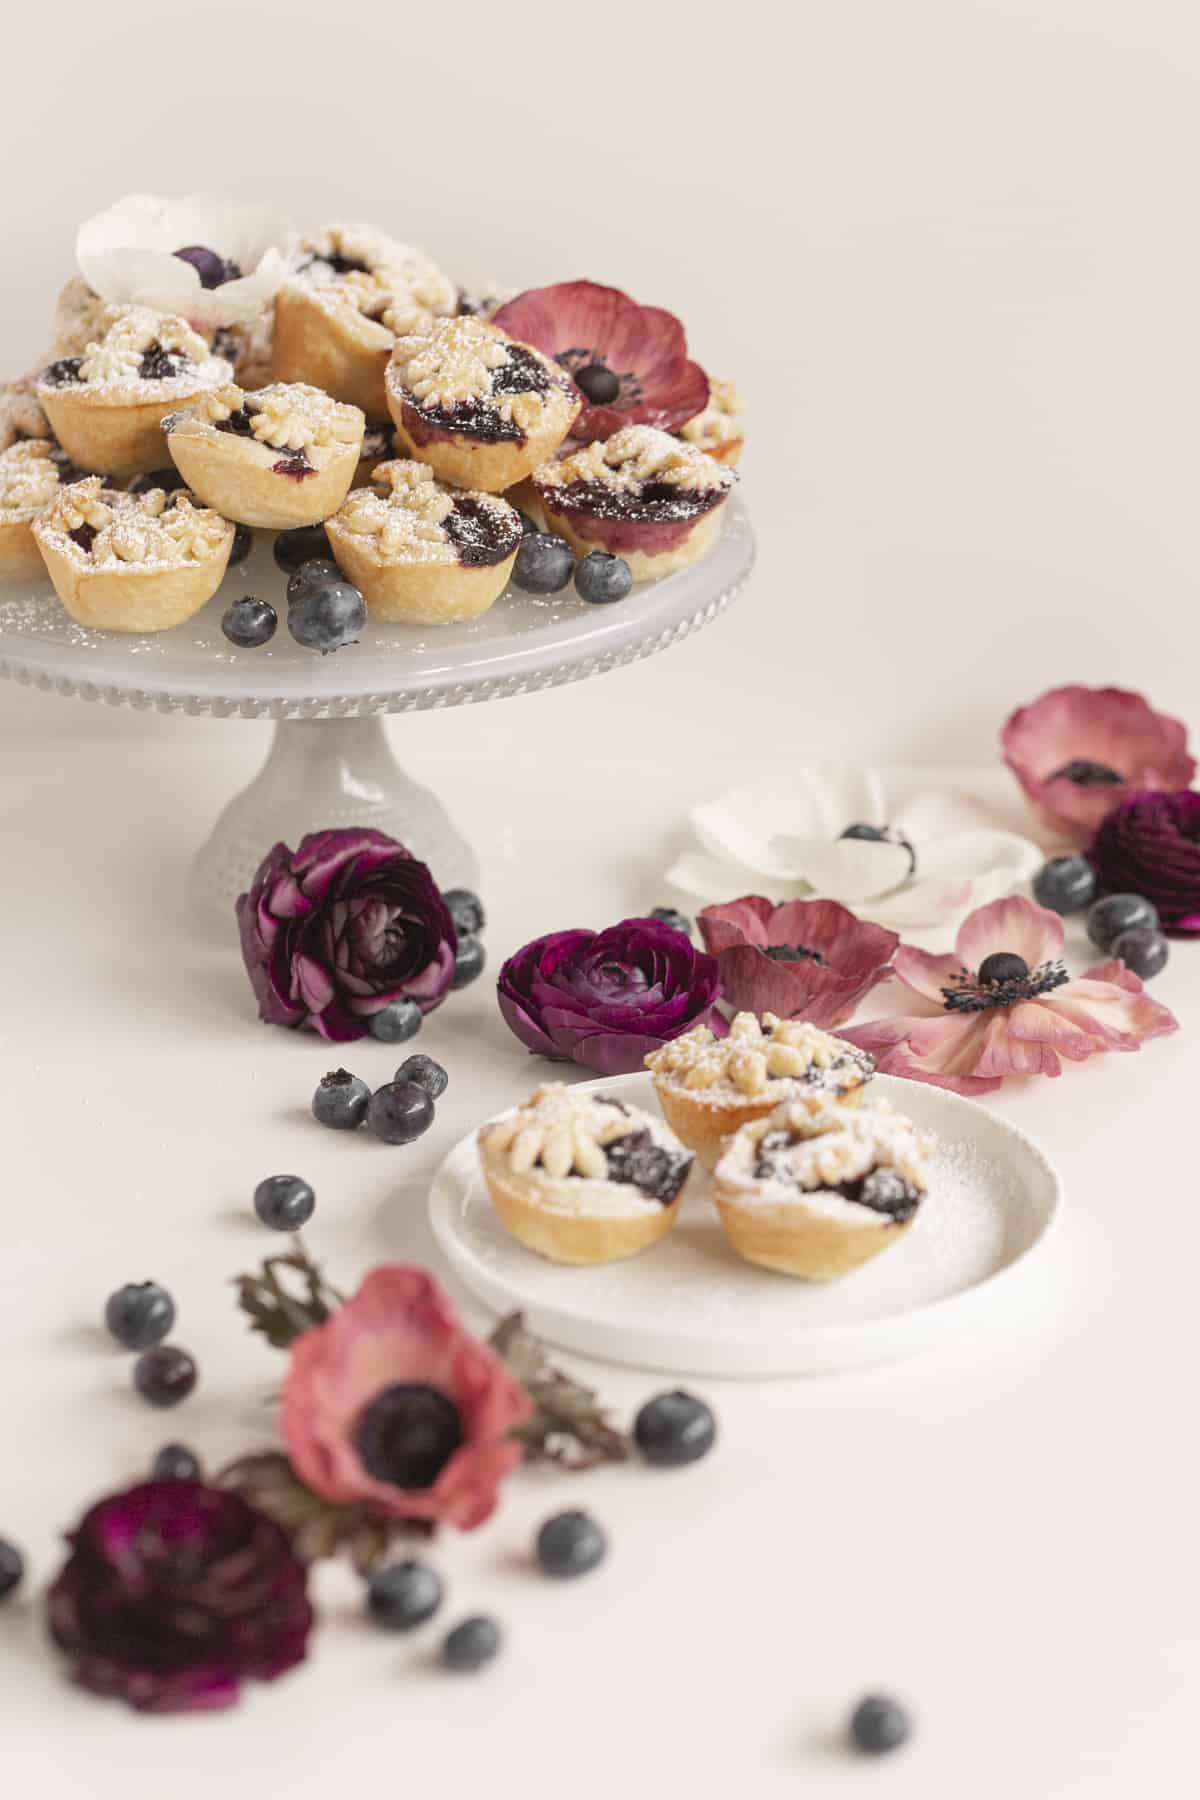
950, 251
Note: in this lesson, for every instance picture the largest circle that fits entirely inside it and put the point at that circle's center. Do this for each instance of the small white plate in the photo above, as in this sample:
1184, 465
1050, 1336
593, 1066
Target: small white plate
688, 1305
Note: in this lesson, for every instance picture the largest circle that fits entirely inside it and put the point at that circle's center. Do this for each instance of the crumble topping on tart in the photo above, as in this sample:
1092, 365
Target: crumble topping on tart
150, 530
142, 355
758, 1061
871, 1156
412, 518
638, 470
561, 1133
719, 420
465, 374
29, 479
285, 416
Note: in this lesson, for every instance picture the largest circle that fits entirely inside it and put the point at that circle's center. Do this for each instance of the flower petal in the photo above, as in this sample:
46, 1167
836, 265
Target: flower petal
1016, 925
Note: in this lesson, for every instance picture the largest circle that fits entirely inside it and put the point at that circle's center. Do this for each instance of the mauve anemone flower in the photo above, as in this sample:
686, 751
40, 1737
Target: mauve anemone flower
1078, 752
1003, 1004
607, 999
1151, 846
336, 930
630, 362
175, 1593
391, 1405
807, 959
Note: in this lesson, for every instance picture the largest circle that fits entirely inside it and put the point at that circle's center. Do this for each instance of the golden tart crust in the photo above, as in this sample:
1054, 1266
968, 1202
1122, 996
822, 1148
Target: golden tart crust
422, 553
549, 1176
481, 409
718, 430
132, 562
106, 406
278, 458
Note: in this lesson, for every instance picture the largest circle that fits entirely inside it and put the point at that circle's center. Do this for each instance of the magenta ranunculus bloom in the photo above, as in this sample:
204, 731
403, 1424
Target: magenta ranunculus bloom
633, 359
1151, 846
175, 1593
1078, 752
392, 1406
807, 959
336, 930
607, 999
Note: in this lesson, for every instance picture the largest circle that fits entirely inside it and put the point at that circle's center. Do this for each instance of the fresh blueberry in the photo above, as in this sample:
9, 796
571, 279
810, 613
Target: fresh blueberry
291, 548
571, 1543
250, 622
676, 920
1065, 884
139, 1314
466, 910
398, 1021
600, 578
673, 1429
600, 384
317, 572
400, 1112
1142, 950
471, 1645
403, 1595
1002, 966
340, 1100
284, 1202
468, 962
12, 1568
175, 1462
544, 565
327, 616
426, 1073
165, 1375
1116, 913
878, 1725
242, 541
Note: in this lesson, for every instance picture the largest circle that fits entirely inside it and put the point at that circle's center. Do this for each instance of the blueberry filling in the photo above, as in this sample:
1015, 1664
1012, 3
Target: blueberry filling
84, 536
1087, 774
295, 464
884, 1190
523, 373
407, 1434
158, 364
334, 261
482, 535
658, 502
238, 423
63, 372
291, 462
224, 344
790, 953
638, 1161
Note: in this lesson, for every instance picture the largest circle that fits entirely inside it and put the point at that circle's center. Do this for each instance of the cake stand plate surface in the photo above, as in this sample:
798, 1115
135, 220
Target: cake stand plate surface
330, 763
690, 1306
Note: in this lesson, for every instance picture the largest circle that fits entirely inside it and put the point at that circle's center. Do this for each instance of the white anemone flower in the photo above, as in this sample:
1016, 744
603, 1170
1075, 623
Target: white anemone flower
129, 256
922, 867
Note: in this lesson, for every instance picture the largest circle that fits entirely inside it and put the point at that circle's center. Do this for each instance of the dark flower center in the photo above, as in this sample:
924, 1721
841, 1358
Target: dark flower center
621, 978
883, 834
786, 953
600, 384
213, 269
1087, 774
407, 1434
1004, 979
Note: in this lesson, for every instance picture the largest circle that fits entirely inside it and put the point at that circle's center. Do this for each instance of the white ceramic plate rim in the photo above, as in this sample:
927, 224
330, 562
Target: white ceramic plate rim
811, 1347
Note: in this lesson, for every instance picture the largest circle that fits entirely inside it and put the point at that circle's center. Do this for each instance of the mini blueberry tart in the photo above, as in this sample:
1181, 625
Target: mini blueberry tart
421, 553
718, 429
282, 457
583, 1178
31, 472
709, 1087
482, 410
351, 293
106, 406
131, 562
642, 494
818, 1193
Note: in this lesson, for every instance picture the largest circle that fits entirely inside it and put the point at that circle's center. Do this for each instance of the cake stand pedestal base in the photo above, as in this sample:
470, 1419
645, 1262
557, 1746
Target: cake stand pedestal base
320, 774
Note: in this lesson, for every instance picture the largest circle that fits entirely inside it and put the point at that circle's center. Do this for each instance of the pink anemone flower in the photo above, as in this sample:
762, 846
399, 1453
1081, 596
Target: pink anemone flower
1003, 1004
1078, 752
807, 959
391, 1405
630, 362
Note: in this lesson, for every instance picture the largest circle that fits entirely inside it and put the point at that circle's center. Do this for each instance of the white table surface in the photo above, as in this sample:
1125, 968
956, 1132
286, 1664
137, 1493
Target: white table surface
1003, 1534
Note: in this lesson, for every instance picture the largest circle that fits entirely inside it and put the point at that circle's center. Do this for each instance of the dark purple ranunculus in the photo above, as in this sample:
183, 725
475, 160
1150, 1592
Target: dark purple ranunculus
608, 999
1151, 845
336, 930
175, 1593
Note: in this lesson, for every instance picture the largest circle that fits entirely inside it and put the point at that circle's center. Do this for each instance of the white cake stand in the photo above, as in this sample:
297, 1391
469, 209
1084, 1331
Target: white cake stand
330, 763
